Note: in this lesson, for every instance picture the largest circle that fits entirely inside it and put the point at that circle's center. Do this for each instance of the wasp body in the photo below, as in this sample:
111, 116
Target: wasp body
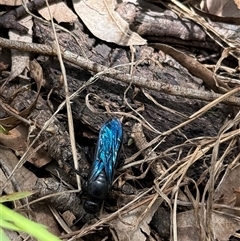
105, 161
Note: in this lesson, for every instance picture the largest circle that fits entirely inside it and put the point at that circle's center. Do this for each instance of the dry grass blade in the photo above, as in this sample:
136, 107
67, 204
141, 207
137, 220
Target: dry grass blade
195, 68
69, 110
178, 7
127, 208
176, 190
157, 167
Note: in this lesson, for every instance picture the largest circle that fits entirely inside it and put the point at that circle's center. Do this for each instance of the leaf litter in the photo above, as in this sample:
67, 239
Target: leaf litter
219, 208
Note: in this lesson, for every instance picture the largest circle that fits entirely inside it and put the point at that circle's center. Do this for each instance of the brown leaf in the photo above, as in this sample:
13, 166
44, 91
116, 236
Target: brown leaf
237, 3
11, 2
225, 191
60, 12
17, 141
224, 226
223, 8
105, 23
11, 121
25, 179
131, 226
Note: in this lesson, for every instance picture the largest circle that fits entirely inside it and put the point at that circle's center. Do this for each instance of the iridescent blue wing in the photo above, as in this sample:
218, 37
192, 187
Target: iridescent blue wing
108, 147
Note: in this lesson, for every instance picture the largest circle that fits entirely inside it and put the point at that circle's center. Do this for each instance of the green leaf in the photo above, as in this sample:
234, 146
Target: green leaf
130, 142
34, 229
8, 225
15, 196
3, 130
3, 236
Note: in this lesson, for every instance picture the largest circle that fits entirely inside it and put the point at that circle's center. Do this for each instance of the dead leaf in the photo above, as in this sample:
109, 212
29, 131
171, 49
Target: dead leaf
223, 226
25, 179
60, 12
228, 191
11, 2
128, 226
225, 191
20, 59
105, 23
39, 158
11, 121
237, 2
223, 8
17, 141
45, 217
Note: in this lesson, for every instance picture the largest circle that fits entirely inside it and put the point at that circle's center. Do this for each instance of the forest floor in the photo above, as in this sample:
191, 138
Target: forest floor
172, 81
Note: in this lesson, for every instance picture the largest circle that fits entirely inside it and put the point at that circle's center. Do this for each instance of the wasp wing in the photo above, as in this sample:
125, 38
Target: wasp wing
108, 147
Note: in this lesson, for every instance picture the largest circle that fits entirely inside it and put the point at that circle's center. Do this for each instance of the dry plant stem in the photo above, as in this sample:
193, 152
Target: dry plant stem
113, 73
7, 171
56, 25
142, 216
214, 18
231, 166
137, 112
195, 68
219, 164
145, 83
46, 197
69, 109
195, 202
179, 173
211, 183
206, 146
157, 167
47, 123
237, 235
179, 8
191, 118
163, 193
120, 113
175, 194
175, 171
130, 85
59, 219
9, 20
126, 209
11, 113
162, 106
215, 206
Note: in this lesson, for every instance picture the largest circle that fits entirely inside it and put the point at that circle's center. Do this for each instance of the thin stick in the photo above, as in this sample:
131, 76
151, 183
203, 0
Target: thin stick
113, 73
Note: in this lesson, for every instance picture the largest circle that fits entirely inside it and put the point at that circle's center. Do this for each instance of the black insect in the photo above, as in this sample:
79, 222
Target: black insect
105, 161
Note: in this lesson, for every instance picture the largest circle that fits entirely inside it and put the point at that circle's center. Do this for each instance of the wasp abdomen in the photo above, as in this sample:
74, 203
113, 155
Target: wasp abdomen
98, 188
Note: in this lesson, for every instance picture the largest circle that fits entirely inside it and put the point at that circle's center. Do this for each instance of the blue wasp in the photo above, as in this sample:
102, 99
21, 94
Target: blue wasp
105, 162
